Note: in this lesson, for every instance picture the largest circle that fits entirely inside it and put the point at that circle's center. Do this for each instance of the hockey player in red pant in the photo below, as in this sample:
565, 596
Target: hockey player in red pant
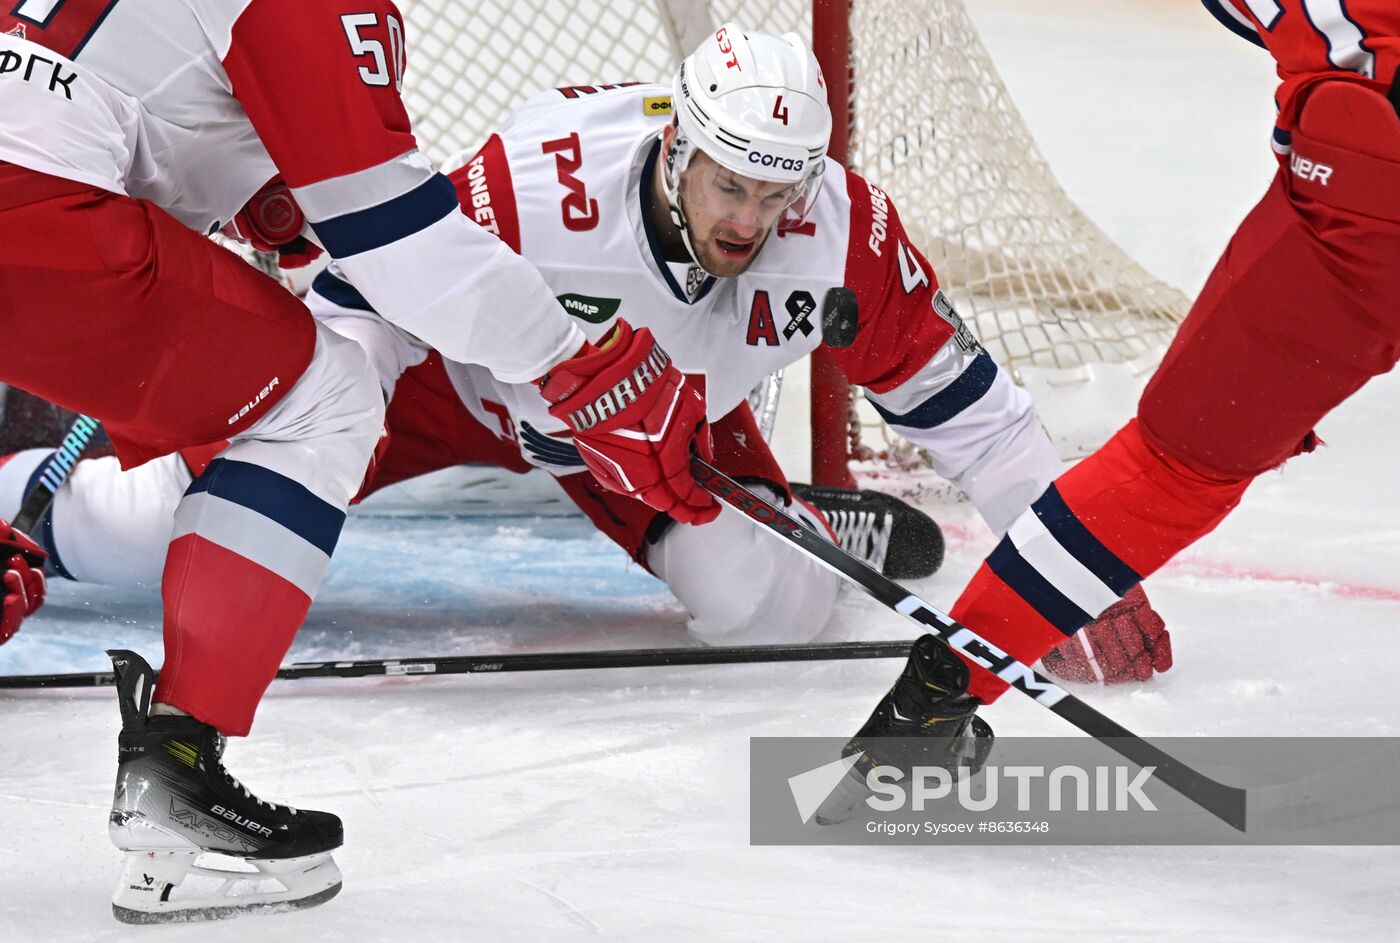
1301, 310
730, 293
127, 131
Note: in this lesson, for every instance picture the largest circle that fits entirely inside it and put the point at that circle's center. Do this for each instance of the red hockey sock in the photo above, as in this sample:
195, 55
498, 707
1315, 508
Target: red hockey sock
1103, 526
249, 549
223, 649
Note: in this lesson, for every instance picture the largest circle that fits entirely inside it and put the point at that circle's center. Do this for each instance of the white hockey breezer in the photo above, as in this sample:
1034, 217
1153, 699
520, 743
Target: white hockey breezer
199, 845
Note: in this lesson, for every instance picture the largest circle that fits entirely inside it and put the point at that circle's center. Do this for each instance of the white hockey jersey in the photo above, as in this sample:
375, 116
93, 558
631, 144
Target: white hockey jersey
566, 183
195, 104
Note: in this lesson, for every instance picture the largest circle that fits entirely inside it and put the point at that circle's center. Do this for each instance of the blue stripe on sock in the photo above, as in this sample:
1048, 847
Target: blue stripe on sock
970, 386
390, 221
1071, 534
1055, 607
275, 497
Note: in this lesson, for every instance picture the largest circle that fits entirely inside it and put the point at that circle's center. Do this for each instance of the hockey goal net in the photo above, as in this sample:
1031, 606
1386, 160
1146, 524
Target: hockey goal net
926, 118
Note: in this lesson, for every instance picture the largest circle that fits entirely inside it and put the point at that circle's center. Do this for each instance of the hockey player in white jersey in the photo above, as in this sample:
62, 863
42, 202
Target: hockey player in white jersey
128, 130
639, 201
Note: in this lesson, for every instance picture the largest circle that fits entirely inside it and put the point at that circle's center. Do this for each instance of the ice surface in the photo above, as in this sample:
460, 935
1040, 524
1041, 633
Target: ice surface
613, 804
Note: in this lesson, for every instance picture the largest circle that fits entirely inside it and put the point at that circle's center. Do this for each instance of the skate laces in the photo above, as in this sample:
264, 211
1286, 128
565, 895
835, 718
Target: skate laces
220, 741
864, 533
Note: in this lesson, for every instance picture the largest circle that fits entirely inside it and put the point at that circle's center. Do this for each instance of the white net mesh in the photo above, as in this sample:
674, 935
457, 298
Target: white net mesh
472, 61
1044, 288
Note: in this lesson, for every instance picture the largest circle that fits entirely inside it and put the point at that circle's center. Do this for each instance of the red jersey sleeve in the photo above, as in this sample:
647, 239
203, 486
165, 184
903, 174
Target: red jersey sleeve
1317, 40
320, 81
487, 194
895, 286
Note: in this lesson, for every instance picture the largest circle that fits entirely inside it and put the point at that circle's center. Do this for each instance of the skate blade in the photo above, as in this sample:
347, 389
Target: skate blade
223, 911
843, 802
166, 887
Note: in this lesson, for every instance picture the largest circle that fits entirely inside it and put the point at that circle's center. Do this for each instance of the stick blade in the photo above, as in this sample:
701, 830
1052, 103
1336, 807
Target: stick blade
1364, 785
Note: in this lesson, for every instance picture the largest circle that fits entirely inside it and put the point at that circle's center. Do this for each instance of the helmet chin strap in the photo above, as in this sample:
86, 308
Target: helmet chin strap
677, 159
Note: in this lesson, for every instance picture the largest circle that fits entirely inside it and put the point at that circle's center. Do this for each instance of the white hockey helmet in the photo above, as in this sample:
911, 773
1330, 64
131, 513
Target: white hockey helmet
756, 104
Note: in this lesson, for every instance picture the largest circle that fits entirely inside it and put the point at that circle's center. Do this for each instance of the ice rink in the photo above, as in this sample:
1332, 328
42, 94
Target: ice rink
614, 804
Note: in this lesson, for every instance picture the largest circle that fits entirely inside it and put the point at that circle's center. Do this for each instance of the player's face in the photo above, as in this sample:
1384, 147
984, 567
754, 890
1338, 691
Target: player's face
729, 215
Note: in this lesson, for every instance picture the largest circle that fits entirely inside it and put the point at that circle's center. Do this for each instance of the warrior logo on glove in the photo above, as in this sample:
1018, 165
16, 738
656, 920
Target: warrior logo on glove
635, 421
627, 390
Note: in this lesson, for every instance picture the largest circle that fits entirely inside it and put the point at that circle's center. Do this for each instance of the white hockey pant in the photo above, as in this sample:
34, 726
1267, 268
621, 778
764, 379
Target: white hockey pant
114, 527
743, 585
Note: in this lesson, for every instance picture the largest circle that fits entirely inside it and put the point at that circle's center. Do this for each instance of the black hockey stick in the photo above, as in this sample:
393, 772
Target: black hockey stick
542, 661
54, 471
1270, 807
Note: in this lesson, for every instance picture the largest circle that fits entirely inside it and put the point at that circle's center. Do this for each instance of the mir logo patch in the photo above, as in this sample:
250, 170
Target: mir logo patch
590, 309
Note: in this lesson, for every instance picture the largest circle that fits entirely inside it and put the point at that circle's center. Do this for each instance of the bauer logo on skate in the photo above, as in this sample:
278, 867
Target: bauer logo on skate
628, 390
241, 821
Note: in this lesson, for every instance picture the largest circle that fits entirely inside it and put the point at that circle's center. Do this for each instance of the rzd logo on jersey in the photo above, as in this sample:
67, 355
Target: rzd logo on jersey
579, 212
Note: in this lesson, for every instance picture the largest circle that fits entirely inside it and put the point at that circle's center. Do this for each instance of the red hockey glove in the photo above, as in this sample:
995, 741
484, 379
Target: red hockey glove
634, 421
22, 584
272, 222
1127, 642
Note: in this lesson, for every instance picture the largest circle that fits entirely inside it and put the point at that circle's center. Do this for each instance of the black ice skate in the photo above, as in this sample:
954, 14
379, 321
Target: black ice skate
929, 701
175, 802
895, 538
